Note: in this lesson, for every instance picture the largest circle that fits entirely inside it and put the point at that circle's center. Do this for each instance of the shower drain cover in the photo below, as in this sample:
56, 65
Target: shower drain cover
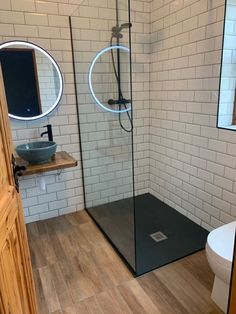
158, 236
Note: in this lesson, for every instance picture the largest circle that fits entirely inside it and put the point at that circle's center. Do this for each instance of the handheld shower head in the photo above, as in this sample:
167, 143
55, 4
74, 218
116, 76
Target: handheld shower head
116, 30
125, 25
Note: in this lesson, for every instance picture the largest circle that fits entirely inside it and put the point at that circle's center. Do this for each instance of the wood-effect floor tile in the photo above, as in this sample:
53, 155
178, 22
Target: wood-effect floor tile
77, 271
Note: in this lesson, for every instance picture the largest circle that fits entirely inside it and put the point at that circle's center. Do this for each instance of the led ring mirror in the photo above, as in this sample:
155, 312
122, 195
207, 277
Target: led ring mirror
33, 81
102, 65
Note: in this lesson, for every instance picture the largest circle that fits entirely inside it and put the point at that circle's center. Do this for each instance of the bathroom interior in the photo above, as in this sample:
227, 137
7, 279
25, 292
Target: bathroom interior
123, 121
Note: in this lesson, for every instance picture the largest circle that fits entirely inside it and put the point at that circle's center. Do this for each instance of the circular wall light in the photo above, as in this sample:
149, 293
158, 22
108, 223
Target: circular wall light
100, 53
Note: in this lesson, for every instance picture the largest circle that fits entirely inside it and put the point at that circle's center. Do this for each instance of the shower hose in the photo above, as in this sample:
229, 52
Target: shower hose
129, 130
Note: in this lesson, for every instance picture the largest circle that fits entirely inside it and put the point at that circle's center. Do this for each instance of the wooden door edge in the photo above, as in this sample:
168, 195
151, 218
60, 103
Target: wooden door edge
5, 125
28, 264
7, 138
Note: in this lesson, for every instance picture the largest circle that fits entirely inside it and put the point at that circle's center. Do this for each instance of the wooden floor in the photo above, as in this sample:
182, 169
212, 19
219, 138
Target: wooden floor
77, 271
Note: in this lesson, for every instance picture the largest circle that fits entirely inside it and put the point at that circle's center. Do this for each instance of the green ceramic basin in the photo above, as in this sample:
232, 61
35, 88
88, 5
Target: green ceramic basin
37, 152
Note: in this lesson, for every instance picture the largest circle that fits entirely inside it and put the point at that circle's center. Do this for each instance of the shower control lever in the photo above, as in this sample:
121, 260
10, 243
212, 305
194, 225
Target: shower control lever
118, 102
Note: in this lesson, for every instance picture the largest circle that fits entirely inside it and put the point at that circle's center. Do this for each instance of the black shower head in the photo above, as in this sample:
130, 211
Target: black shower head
116, 30
125, 25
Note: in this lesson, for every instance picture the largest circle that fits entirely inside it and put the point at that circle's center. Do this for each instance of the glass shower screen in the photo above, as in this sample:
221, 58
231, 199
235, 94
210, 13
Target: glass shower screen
101, 51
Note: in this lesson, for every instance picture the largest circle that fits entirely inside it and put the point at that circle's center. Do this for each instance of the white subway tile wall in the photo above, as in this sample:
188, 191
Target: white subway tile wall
46, 23
180, 155
192, 162
107, 148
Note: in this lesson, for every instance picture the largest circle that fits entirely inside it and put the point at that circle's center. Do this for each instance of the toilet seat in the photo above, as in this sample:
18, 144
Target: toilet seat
219, 249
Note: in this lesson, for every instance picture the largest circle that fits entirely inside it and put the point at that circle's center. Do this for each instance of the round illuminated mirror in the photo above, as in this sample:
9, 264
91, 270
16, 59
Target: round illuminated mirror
32, 79
109, 79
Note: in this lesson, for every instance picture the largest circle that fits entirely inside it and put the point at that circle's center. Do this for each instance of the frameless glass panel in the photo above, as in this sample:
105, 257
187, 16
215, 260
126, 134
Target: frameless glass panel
100, 32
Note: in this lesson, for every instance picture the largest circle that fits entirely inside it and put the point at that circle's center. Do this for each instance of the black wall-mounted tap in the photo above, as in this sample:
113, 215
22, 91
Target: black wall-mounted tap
48, 132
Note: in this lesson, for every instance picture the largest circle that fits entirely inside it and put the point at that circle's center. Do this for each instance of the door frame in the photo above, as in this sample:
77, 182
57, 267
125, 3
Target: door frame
24, 248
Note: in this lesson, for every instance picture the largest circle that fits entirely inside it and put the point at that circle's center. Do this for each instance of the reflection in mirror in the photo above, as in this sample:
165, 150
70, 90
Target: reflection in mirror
227, 93
32, 79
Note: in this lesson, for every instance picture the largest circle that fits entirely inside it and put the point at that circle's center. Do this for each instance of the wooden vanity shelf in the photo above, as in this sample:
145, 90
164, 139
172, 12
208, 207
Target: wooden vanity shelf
62, 160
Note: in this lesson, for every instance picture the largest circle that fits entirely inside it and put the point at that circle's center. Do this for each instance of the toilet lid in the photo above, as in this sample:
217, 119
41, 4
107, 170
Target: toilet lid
221, 241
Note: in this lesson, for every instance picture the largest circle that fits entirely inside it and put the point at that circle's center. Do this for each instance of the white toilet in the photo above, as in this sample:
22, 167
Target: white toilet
219, 251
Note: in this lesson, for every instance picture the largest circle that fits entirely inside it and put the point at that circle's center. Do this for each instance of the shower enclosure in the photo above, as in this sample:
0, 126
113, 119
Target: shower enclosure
103, 78
146, 232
